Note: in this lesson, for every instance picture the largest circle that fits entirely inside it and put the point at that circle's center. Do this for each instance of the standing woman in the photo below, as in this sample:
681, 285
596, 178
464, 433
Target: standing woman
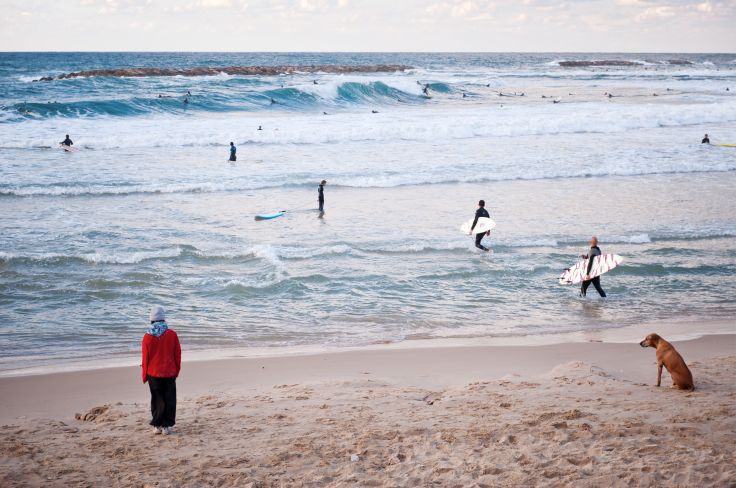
160, 368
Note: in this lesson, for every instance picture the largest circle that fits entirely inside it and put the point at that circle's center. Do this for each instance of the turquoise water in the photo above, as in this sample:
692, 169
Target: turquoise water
147, 210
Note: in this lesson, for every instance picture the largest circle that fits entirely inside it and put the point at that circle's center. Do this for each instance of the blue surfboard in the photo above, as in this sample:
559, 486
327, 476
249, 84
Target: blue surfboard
269, 216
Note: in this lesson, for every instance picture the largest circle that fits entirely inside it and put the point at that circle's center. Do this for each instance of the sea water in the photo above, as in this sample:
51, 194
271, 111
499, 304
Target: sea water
148, 210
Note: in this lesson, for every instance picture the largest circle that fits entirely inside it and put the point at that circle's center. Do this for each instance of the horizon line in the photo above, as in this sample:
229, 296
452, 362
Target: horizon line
363, 52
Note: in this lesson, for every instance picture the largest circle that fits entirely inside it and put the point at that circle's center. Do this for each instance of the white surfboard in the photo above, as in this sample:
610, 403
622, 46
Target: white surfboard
484, 225
601, 264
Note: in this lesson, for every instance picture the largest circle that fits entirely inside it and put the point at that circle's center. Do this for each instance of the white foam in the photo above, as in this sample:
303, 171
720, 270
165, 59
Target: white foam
408, 124
98, 257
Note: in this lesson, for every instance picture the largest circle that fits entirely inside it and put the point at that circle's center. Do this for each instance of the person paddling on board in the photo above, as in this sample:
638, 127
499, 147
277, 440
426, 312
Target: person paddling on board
321, 195
481, 212
594, 251
705, 140
233, 150
67, 142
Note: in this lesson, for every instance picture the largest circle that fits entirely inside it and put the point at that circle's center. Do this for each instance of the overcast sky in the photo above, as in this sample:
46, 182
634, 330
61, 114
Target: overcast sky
368, 25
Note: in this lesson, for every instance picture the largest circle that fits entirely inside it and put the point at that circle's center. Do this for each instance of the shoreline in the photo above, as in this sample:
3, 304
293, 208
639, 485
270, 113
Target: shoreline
64, 393
674, 331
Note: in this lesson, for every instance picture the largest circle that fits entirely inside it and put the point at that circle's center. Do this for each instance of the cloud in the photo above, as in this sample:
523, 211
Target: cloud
659, 12
459, 8
215, 3
312, 5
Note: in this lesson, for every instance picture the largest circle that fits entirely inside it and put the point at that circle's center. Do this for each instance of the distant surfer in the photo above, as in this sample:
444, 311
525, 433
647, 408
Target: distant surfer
481, 212
594, 251
706, 140
67, 142
321, 195
233, 150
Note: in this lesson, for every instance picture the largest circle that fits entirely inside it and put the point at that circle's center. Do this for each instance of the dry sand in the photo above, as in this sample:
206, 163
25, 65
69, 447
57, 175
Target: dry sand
583, 414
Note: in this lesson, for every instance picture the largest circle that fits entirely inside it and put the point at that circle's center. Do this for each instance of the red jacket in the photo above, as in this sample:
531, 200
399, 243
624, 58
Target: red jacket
161, 355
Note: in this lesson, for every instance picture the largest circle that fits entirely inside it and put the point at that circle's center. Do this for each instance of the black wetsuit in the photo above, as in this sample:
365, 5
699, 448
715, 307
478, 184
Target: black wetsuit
321, 197
594, 251
705, 141
67, 142
233, 149
481, 212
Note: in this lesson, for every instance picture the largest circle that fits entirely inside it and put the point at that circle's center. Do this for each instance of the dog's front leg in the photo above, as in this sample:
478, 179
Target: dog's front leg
659, 373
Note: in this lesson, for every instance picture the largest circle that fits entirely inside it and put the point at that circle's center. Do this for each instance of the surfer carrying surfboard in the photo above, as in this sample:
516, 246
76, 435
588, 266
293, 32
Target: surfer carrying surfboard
594, 251
481, 212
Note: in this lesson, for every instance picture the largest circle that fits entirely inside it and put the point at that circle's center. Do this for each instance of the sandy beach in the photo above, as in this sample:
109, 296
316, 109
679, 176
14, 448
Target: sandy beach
583, 414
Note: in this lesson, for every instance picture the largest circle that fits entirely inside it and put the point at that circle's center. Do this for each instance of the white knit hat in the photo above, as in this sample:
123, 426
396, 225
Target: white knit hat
158, 313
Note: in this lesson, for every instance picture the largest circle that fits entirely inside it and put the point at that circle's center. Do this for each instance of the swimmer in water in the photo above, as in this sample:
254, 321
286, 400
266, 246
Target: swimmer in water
68, 142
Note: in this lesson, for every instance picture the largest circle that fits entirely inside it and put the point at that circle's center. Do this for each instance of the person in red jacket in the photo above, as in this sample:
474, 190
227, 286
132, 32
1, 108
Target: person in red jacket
160, 368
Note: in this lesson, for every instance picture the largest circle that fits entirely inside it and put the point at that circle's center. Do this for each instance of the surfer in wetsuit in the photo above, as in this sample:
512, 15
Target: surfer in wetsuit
705, 140
594, 251
233, 150
321, 195
67, 142
481, 212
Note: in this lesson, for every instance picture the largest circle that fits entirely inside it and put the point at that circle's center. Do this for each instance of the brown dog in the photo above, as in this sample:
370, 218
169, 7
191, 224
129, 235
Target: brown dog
668, 357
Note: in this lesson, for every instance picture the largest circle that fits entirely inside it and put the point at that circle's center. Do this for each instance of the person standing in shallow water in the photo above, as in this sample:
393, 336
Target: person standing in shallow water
481, 212
160, 367
321, 195
233, 150
594, 251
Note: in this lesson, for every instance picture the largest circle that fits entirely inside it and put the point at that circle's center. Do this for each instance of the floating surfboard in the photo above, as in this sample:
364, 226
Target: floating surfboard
484, 225
726, 145
601, 264
269, 216
67, 148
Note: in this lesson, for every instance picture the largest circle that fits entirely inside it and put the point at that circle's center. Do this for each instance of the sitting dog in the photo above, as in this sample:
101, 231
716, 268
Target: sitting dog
668, 357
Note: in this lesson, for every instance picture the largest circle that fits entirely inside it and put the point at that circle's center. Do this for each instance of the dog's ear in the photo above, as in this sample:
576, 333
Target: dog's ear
654, 337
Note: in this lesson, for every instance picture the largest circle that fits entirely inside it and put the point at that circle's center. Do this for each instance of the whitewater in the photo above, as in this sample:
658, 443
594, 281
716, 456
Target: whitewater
148, 210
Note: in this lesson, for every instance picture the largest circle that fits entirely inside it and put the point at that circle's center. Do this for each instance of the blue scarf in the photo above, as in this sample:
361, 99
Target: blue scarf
157, 328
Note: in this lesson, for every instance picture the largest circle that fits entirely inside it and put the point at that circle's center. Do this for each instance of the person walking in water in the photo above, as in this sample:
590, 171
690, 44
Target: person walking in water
594, 251
321, 195
160, 367
706, 140
233, 150
481, 212
67, 142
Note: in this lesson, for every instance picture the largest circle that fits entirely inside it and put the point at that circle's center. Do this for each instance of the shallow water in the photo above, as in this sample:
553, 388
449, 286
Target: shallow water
148, 210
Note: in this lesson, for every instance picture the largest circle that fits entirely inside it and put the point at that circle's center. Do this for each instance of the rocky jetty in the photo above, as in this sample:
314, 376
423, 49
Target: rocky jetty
231, 70
605, 62
615, 62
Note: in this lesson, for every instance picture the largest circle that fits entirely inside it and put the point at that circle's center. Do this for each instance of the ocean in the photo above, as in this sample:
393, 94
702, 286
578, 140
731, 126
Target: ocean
148, 210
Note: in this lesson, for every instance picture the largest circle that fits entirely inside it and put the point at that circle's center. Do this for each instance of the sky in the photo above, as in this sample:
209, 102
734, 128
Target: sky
369, 25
